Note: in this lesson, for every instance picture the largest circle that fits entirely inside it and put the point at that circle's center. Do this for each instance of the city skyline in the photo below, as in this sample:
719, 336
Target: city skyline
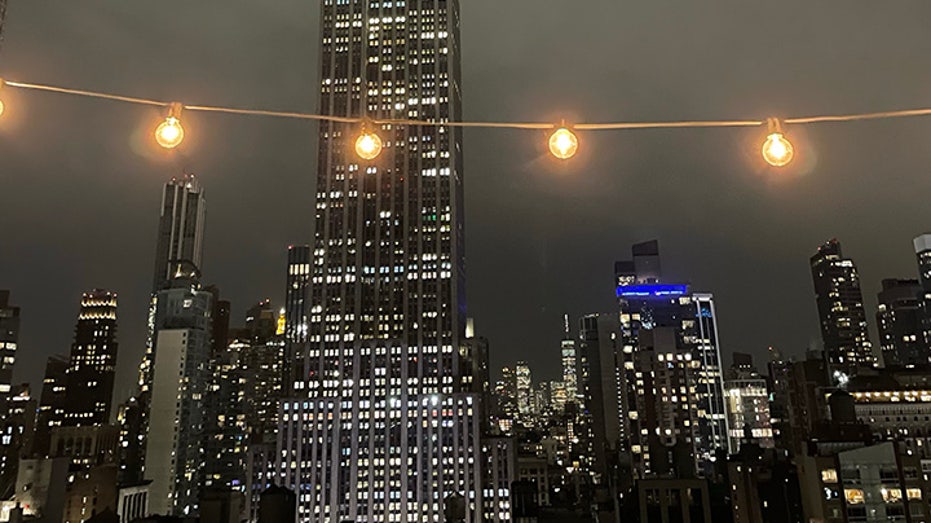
549, 252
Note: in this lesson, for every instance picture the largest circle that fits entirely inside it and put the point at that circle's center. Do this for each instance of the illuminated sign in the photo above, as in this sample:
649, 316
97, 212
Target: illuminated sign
650, 290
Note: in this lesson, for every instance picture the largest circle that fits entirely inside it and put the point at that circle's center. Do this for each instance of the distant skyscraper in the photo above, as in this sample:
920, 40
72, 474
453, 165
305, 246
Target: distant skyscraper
383, 405
599, 390
180, 228
899, 320
92, 365
296, 295
9, 338
524, 389
922, 246
748, 405
51, 402
840, 306
174, 452
673, 393
570, 365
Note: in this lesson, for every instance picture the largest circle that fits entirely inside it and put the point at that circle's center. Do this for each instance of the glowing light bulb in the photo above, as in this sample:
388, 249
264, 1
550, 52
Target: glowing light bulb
564, 143
777, 150
1, 107
169, 133
368, 145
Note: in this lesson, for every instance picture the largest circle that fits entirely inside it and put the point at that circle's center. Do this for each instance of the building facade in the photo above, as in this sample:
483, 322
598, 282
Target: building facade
174, 451
673, 406
380, 428
92, 363
844, 331
899, 320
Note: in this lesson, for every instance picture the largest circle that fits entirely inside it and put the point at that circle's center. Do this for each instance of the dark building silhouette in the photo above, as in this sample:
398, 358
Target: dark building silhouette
92, 364
51, 402
899, 319
298, 285
840, 308
277, 504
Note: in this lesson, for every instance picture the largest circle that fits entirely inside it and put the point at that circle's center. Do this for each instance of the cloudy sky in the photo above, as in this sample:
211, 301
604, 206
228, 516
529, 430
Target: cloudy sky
80, 183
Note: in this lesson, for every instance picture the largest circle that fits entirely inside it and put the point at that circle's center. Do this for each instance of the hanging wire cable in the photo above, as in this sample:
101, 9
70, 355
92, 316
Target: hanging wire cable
566, 143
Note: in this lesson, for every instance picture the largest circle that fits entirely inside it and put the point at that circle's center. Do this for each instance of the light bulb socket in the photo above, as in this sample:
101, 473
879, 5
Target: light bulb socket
174, 110
774, 125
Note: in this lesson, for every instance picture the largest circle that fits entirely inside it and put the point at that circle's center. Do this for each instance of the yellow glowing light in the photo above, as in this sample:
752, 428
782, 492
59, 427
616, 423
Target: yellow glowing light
564, 143
1, 107
777, 150
169, 133
368, 145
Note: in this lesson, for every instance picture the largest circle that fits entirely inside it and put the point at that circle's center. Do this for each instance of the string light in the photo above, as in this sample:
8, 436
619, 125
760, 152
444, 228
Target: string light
169, 134
563, 143
777, 149
368, 144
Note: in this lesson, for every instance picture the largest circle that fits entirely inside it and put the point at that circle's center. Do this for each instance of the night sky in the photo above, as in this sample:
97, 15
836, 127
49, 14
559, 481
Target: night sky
80, 181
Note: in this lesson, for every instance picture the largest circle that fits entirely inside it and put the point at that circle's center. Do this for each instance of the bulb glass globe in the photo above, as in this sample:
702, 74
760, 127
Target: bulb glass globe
169, 133
368, 146
564, 143
777, 150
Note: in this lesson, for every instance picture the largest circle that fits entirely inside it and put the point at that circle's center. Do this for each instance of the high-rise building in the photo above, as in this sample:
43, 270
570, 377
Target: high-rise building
92, 364
524, 389
899, 319
295, 310
9, 338
570, 364
180, 228
672, 394
748, 405
51, 402
382, 402
840, 306
599, 390
922, 246
11, 426
174, 446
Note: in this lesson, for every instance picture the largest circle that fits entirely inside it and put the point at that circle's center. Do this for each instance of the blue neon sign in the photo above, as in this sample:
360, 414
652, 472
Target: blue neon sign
651, 289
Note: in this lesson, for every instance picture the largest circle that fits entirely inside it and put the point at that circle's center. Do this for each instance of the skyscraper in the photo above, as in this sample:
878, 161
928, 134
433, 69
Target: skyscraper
524, 389
92, 364
296, 325
922, 246
382, 403
672, 394
899, 320
174, 451
599, 390
180, 228
9, 338
840, 307
570, 363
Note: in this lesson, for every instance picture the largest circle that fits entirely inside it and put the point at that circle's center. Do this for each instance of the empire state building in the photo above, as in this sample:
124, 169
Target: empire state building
384, 425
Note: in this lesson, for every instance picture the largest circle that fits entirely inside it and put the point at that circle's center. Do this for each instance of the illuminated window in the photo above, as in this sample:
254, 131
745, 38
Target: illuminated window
854, 496
829, 476
891, 495
913, 493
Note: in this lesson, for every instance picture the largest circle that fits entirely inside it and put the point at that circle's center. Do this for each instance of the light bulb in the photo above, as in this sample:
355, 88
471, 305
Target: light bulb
169, 133
368, 145
777, 150
563, 143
